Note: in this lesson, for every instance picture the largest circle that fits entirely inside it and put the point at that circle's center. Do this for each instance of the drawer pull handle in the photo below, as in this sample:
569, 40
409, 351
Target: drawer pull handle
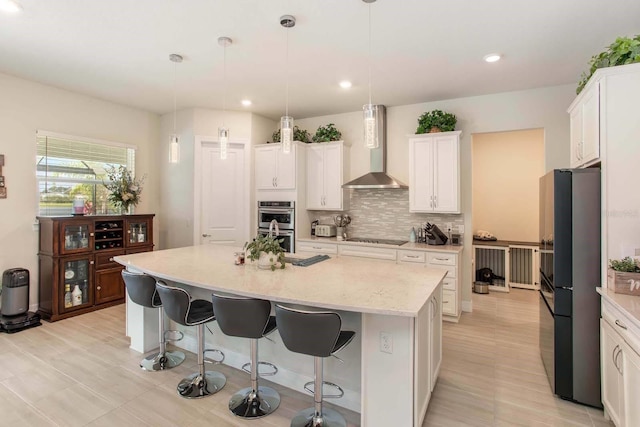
317, 247
442, 259
91, 234
445, 302
98, 288
413, 256
91, 262
620, 324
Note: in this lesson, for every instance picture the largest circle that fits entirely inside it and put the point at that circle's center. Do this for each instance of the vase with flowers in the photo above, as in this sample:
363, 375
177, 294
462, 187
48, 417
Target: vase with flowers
124, 189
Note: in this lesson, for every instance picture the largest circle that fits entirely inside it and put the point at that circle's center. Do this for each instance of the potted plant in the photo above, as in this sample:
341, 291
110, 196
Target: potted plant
298, 135
623, 51
267, 251
436, 121
327, 133
623, 276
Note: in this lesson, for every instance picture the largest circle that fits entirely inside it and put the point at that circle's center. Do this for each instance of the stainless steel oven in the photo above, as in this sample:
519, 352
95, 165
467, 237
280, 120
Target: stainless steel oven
287, 237
282, 212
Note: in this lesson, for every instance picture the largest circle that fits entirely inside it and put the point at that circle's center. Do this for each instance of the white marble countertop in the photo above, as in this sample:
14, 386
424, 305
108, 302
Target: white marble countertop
628, 304
407, 246
349, 284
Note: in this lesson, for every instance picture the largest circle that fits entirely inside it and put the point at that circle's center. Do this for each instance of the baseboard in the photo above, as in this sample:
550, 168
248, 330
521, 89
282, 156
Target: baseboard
33, 307
467, 306
284, 377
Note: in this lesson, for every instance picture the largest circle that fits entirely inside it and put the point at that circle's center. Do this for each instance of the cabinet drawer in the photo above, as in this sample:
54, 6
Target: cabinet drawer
442, 259
449, 283
317, 247
411, 256
106, 260
449, 302
367, 252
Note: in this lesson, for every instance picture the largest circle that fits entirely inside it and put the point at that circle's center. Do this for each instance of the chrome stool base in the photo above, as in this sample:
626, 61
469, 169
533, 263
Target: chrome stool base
195, 386
246, 403
308, 418
160, 362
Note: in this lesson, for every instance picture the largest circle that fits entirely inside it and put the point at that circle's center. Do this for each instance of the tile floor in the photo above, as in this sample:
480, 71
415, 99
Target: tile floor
80, 372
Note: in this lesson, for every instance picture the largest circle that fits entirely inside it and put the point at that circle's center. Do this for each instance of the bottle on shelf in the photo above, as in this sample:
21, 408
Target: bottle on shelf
84, 242
76, 296
67, 296
85, 292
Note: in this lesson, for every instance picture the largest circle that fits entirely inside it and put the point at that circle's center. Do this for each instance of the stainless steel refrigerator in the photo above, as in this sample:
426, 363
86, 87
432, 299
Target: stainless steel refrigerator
569, 274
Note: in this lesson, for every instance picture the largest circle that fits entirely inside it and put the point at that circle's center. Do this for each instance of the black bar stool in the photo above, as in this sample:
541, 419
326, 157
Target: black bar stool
317, 334
181, 309
249, 318
142, 291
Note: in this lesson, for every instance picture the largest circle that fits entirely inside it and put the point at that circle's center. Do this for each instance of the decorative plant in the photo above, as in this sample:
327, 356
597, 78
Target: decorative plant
625, 264
436, 121
266, 244
623, 51
124, 189
298, 135
327, 133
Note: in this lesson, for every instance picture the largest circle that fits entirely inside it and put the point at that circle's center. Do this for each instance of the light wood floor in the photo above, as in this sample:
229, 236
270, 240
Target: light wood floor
80, 372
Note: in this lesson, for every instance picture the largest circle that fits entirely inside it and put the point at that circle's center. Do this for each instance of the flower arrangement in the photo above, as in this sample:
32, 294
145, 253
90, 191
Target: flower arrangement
124, 189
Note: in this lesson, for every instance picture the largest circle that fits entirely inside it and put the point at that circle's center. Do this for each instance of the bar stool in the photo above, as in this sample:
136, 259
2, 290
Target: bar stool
249, 318
317, 334
142, 291
181, 309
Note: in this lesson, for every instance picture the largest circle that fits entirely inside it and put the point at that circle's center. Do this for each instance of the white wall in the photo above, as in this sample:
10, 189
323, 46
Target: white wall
26, 107
537, 108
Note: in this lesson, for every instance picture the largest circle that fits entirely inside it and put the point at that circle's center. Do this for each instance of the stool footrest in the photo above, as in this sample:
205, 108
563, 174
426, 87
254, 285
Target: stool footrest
173, 335
308, 387
247, 368
213, 361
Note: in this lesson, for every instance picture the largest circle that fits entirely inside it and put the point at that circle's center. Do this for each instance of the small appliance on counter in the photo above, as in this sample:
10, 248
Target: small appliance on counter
326, 230
15, 302
314, 224
434, 235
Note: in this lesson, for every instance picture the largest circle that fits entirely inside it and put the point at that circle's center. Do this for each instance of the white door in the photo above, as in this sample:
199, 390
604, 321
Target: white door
223, 213
445, 165
315, 177
421, 176
333, 177
265, 168
286, 169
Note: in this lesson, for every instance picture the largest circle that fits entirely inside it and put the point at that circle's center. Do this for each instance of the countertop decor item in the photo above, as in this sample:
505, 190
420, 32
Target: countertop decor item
124, 189
623, 51
267, 251
623, 276
327, 133
436, 121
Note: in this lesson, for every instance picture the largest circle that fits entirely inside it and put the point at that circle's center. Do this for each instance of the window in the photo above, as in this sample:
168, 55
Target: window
70, 168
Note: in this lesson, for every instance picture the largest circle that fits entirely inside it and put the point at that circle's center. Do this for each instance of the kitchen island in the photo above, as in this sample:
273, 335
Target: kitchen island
400, 303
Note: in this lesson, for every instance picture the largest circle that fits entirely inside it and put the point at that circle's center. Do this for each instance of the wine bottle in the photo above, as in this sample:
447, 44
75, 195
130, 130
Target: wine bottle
67, 296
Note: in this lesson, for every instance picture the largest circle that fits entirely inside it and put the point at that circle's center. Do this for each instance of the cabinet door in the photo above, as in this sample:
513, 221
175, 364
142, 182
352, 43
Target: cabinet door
436, 336
265, 168
315, 177
591, 125
139, 232
576, 136
421, 175
109, 285
286, 169
77, 237
75, 293
611, 378
333, 177
629, 361
445, 186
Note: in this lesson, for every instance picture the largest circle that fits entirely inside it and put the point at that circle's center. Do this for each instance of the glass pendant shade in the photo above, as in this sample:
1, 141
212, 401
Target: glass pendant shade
286, 133
370, 126
174, 149
223, 137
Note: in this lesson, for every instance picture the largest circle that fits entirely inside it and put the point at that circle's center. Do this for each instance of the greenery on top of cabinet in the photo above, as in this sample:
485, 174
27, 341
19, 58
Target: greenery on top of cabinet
327, 133
623, 51
298, 135
436, 121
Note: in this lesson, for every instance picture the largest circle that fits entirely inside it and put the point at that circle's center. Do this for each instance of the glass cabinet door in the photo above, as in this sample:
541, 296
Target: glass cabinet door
138, 232
76, 292
76, 237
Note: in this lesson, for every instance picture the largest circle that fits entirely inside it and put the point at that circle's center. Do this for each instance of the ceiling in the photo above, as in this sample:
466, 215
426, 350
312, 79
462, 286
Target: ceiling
422, 50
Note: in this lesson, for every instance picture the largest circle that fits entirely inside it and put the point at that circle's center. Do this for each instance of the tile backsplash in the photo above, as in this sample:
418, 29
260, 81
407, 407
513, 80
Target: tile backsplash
384, 214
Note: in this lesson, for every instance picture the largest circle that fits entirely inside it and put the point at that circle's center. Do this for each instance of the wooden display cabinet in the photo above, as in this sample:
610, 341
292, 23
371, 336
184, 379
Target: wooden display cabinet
77, 271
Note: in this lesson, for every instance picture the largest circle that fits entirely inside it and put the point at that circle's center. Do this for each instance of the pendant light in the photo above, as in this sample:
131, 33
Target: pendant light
174, 146
370, 111
286, 121
223, 132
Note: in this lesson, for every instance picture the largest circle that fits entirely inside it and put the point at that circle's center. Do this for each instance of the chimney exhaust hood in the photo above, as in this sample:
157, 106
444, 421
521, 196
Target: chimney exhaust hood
378, 177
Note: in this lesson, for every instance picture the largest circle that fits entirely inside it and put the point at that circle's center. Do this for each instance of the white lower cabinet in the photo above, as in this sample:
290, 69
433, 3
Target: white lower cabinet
382, 254
435, 334
316, 247
611, 374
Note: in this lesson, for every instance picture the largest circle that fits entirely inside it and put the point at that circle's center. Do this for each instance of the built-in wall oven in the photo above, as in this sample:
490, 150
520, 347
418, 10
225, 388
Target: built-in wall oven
284, 214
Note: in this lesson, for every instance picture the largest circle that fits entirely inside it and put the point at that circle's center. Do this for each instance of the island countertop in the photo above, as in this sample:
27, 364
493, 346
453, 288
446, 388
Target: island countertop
348, 284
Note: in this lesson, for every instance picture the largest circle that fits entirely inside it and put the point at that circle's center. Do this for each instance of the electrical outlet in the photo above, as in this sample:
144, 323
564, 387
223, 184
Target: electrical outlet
637, 252
461, 229
447, 226
386, 342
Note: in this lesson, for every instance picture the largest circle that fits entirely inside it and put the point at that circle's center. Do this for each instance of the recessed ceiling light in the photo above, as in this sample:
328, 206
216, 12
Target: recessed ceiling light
246, 102
492, 57
10, 6
345, 84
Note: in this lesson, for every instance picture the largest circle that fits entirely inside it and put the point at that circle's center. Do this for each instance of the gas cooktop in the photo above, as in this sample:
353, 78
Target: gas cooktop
378, 241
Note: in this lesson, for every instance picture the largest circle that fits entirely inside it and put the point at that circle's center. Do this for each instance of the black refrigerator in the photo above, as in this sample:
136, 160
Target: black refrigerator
569, 274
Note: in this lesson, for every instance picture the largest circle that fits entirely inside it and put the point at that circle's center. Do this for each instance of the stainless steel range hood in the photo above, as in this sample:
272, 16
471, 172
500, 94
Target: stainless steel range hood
378, 177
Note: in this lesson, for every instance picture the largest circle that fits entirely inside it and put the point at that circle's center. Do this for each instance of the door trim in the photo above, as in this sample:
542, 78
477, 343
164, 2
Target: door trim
212, 141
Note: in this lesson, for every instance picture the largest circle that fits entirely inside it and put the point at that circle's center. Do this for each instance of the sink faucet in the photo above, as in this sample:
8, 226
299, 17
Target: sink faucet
273, 224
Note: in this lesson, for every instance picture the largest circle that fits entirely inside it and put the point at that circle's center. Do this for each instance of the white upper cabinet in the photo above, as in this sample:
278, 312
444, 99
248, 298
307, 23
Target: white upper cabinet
274, 169
325, 175
585, 127
434, 172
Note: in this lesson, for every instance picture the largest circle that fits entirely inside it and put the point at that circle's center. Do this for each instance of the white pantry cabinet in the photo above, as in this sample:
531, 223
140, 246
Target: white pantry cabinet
585, 126
274, 169
434, 172
325, 175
